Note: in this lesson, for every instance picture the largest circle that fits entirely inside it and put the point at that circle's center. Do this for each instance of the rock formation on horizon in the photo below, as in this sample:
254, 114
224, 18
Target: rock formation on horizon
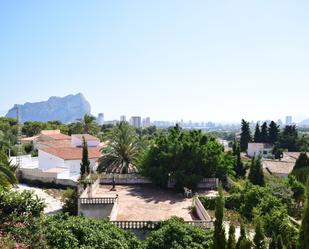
66, 109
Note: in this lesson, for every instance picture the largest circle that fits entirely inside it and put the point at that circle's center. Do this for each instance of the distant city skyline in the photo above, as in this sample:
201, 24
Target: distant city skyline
169, 60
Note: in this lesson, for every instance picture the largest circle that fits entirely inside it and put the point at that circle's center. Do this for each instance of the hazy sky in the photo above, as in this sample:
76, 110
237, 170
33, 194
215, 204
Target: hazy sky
199, 60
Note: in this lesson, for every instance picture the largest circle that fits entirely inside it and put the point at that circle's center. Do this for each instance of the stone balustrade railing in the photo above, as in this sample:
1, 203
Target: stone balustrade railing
151, 225
98, 200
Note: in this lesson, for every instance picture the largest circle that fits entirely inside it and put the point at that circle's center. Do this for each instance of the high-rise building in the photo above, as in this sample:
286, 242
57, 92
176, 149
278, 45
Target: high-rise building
288, 120
136, 121
122, 118
146, 122
100, 118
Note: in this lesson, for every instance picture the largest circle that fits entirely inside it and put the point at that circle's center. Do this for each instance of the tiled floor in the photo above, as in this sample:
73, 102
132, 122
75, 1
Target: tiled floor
137, 203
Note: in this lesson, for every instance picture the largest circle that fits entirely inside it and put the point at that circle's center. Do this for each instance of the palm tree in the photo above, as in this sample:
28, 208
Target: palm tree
7, 173
88, 123
120, 154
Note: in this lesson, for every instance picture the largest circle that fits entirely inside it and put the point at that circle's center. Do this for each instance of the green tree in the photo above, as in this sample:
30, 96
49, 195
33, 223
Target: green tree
257, 134
301, 168
256, 175
7, 171
273, 132
239, 166
174, 234
288, 138
303, 240
245, 135
89, 125
242, 237
184, 157
219, 241
122, 150
231, 243
85, 164
264, 133
70, 199
280, 243
302, 161
273, 242
259, 237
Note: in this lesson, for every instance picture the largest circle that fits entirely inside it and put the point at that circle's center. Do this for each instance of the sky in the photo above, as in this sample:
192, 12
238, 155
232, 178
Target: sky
170, 60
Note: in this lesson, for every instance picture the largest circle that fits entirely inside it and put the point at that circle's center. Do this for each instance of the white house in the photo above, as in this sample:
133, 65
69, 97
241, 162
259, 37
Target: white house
259, 149
68, 158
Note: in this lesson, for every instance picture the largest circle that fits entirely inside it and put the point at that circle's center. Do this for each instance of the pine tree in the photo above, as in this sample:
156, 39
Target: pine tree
85, 164
256, 174
273, 132
303, 240
273, 242
239, 166
242, 235
245, 136
231, 243
219, 240
259, 237
257, 134
280, 243
264, 133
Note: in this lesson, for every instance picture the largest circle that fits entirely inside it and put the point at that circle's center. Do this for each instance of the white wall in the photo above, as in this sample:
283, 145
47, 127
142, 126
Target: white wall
256, 149
74, 165
47, 161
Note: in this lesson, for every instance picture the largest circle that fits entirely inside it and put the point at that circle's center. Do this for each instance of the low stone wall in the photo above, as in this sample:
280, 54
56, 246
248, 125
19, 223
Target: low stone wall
124, 179
37, 175
205, 183
200, 210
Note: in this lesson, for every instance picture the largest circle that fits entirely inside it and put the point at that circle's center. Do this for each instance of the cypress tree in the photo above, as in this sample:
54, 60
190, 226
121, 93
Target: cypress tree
242, 235
257, 134
231, 243
280, 243
264, 133
273, 242
245, 136
85, 164
302, 161
303, 240
245, 244
256, 174
273, 132
259, 237
219, 240
239, 166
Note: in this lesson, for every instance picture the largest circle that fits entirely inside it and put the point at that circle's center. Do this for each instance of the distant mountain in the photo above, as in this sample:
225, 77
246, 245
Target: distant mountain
66, 109
304, 122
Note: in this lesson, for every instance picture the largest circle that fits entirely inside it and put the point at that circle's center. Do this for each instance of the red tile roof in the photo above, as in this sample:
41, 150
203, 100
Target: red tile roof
59, 136
72, 153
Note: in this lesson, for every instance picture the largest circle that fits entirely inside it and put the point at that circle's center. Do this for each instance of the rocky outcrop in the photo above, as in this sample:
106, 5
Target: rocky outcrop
66, 109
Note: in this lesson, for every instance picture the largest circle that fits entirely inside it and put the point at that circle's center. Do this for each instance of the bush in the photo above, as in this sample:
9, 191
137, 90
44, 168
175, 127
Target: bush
70, 199
69, 232
174, 233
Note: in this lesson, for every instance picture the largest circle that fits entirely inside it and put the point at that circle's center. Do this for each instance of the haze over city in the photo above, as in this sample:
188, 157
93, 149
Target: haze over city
201, 60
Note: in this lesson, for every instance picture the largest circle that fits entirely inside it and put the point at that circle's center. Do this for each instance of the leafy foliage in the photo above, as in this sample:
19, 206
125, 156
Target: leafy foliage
219, 241
70, 199
245, 136
175, 234
85, 164
122, 151
231, 243
303, 240
70, 232
256, 175
185, 157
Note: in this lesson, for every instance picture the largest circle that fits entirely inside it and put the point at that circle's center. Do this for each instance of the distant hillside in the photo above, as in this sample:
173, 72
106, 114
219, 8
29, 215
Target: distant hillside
66, 109
304, 122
